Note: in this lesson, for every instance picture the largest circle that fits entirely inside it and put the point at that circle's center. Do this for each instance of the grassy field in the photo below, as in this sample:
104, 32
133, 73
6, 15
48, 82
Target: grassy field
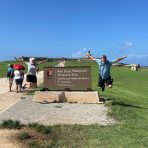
128, 105
4, 66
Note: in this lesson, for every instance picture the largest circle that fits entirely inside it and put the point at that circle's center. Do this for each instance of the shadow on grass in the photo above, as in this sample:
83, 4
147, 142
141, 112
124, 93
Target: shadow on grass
126, 105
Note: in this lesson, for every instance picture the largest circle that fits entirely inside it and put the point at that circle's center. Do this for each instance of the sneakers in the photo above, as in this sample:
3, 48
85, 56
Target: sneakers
103, 88
102, 100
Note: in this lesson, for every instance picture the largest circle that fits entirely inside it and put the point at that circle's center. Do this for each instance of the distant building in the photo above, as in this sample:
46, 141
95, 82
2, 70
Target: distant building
134, 67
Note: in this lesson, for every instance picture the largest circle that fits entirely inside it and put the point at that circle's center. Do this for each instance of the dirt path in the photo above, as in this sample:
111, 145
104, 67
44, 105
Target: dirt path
7, 139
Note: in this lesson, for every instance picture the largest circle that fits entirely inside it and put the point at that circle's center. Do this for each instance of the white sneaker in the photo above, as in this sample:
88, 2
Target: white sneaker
110, 86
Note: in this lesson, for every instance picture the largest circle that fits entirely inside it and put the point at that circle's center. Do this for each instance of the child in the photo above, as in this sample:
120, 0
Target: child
10, 76
22, 79
18, 77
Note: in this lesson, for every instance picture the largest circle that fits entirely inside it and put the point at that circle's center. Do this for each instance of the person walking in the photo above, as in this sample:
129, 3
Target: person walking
10, 76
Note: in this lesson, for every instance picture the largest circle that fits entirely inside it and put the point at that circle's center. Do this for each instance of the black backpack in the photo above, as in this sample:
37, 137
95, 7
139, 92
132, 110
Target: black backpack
10, 74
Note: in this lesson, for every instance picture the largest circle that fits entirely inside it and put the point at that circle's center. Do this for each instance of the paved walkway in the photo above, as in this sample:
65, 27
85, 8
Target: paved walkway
26, 111
9, 98
57, 113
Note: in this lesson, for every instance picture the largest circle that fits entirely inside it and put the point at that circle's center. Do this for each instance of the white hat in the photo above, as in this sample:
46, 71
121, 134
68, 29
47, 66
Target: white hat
32, 59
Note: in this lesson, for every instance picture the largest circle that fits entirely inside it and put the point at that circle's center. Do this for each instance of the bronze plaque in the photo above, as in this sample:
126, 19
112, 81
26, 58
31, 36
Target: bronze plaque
67, 78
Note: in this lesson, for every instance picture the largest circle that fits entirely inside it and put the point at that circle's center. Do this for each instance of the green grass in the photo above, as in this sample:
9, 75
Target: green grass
11, 124
129, 106
4, 66
34, 144
40, 128
23, 135
47, 64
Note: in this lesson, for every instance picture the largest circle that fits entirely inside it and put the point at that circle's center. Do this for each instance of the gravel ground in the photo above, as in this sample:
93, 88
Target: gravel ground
27, 111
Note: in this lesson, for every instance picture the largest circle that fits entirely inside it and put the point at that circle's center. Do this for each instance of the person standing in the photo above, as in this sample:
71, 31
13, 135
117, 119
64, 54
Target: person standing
31, 74
10, 76
18, 80
104, 70
22, 80
88, 54
32, 70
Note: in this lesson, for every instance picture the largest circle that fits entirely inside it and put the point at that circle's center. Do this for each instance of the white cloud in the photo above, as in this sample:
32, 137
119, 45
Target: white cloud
127, 45
84, 49
138, 56
79, 53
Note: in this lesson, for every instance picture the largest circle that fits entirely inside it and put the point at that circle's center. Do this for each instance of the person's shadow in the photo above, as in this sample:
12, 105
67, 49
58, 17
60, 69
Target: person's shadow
127, 105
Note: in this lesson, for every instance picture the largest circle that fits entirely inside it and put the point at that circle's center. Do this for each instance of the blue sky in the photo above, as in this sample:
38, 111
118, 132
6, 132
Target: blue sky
68, 28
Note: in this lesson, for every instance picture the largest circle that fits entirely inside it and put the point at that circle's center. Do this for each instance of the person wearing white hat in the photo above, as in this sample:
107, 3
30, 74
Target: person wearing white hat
31, 74
32, 70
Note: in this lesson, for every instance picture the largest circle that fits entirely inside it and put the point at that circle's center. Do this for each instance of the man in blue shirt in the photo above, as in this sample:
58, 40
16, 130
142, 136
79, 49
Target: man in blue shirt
104, 70
10, 76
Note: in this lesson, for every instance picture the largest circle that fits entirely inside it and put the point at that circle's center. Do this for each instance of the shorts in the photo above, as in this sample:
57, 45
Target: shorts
31, 78
102, 82
10, 80
18, 81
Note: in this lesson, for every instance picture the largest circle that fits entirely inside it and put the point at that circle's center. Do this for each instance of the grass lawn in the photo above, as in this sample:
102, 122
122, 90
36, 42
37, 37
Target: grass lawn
47, 64
129, 106
4, 66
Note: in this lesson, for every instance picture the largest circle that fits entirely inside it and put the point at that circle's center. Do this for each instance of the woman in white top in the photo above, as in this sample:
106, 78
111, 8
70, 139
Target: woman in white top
18, 80
32, 70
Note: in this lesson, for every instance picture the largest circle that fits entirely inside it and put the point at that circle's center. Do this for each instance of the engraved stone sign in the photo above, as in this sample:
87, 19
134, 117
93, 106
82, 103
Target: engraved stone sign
67, 78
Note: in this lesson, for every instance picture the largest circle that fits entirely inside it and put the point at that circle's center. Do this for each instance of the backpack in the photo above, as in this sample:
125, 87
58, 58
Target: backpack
10, 74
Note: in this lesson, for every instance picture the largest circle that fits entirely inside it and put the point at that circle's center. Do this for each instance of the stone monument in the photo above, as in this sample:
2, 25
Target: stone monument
67, 84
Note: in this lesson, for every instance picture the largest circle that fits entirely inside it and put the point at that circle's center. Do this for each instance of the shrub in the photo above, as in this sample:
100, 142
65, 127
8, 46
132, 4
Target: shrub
40, 128
23, 135
11, 124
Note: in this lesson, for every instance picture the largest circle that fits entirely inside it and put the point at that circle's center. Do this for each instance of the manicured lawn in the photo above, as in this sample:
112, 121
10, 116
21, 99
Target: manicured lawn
129, 106
4, 66
47, 64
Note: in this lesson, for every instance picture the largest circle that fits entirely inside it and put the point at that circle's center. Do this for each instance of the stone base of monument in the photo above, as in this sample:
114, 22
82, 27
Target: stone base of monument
66, 96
